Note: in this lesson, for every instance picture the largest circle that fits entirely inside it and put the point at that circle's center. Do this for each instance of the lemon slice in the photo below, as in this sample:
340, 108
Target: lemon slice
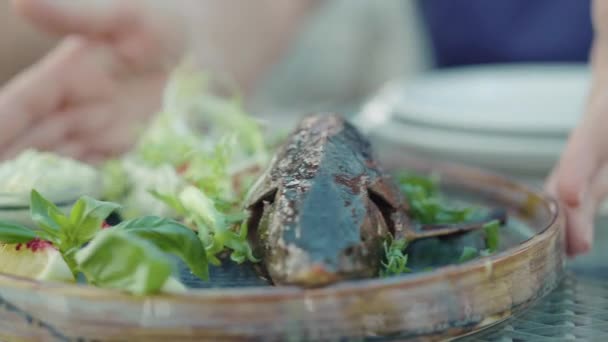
36, 260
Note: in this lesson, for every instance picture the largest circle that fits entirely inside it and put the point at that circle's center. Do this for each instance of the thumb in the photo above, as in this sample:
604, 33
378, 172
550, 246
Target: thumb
87, 17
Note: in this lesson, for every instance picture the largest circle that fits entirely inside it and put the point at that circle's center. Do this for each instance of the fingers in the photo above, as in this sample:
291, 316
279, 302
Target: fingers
579, 229
83, 133
581, 219
48, 134
36, 91
577, 167
88, 17
84, 105
572, 183
72, 149
76, 71
580, 183
145, 34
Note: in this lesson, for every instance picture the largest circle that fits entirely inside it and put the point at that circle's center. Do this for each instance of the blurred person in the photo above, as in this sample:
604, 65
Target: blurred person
85, 97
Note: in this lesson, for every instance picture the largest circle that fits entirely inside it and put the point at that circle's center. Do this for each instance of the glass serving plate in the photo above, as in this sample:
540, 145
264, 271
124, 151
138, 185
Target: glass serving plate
238, 305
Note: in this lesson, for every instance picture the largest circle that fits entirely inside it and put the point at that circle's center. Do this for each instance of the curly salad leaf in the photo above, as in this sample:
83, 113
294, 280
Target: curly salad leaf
193, 122
131, 256
217, 230
195, 163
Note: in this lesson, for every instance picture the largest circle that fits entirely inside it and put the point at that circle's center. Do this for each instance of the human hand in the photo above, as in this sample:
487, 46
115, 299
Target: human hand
88, 97
580, 180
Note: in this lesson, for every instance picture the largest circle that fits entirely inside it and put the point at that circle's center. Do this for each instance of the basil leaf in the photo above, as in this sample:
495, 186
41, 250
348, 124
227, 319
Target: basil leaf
117, 260
15, 233
59, 218
41, 209
86, 218
77, 211
171, 237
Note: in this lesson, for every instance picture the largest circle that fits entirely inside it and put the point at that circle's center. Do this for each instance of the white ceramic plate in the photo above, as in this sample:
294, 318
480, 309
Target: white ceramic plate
518, 98
512, 118
516, 156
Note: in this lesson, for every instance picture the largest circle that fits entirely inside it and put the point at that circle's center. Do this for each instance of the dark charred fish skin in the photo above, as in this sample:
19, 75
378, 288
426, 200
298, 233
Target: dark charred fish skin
324, 207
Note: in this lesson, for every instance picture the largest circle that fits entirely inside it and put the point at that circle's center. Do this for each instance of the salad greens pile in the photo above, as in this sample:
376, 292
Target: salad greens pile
130, 256
194, 164
427, 205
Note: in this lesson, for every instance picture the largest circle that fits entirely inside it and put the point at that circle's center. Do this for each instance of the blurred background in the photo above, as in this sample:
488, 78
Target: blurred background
494, 84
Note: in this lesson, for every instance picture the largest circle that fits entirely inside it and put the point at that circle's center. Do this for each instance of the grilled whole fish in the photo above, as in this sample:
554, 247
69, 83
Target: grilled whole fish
322, 210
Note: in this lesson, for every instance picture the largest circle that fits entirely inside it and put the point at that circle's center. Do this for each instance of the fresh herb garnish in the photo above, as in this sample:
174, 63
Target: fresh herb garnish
396, 261
131, 256
426, 203
68, 232
492, 235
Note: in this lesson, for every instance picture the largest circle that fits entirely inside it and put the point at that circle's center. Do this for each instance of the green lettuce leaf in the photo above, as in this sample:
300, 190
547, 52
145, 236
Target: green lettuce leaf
214, 227
145, 179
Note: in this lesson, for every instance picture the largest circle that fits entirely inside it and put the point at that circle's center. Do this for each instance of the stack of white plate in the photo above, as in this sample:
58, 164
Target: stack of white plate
510, 118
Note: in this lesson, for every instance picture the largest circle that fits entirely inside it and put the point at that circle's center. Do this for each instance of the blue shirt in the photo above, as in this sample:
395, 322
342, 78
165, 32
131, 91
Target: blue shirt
501, 31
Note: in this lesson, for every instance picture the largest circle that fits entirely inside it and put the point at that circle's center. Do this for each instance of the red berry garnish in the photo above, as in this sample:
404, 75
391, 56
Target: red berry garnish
37, 245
